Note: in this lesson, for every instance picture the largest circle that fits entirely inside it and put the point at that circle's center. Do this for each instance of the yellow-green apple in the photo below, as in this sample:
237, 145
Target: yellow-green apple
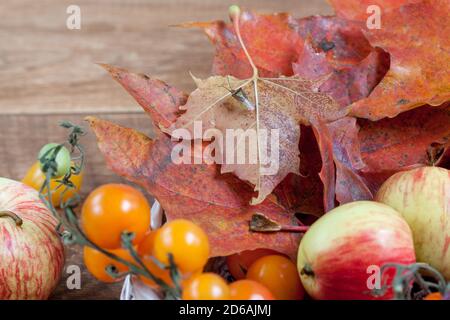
340, 252
422, 196
31, 252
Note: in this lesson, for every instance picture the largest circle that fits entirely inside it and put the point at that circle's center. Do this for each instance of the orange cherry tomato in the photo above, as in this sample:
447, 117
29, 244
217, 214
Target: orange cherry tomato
146, 251
239, 263
186, 277
163, 274
434, 296
96, 263
249, 290
279, 275
187, 242
147, 246
113, 209
35, 178
206, 286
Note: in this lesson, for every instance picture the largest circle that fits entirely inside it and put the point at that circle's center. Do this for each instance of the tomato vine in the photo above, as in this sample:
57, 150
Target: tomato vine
414, 281
68, 226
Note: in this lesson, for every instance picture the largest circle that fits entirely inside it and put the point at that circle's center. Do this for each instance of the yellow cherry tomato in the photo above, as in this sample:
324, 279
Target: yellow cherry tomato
35, 178
186, 241
249, 290
112, 209
278, 274
146, 251
96, 262
434, 296
206, 286
239, 263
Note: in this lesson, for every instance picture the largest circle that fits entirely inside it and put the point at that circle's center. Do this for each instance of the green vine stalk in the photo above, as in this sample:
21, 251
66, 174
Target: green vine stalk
413, 282
68, 226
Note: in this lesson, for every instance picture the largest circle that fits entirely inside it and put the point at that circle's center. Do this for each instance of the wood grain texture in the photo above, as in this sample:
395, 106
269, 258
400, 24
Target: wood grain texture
44, 65
48, 74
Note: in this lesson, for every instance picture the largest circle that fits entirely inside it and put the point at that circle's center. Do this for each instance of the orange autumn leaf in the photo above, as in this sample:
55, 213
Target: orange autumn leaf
358, 9
158, 100
366, 153
417, 38
338, 48
341, 41
403, 142
343, 137
272, 41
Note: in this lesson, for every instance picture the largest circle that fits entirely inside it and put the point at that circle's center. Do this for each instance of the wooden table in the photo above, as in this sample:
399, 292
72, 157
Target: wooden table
48, 74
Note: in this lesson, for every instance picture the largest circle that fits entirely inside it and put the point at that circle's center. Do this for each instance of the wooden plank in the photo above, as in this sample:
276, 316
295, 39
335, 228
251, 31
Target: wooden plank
46, 68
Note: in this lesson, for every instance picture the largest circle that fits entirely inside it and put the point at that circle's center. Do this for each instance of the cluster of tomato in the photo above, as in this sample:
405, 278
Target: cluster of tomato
35, 178
113, 209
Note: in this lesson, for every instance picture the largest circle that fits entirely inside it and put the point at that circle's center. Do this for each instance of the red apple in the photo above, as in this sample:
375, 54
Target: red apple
338, 254
422, 196
31, 252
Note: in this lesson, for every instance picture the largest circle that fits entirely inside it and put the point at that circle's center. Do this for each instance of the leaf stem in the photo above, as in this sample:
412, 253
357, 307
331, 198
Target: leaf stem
235, 14
262, 223
288, 228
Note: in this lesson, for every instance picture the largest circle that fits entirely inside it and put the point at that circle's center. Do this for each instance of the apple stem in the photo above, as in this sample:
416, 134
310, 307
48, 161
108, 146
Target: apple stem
13, 216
